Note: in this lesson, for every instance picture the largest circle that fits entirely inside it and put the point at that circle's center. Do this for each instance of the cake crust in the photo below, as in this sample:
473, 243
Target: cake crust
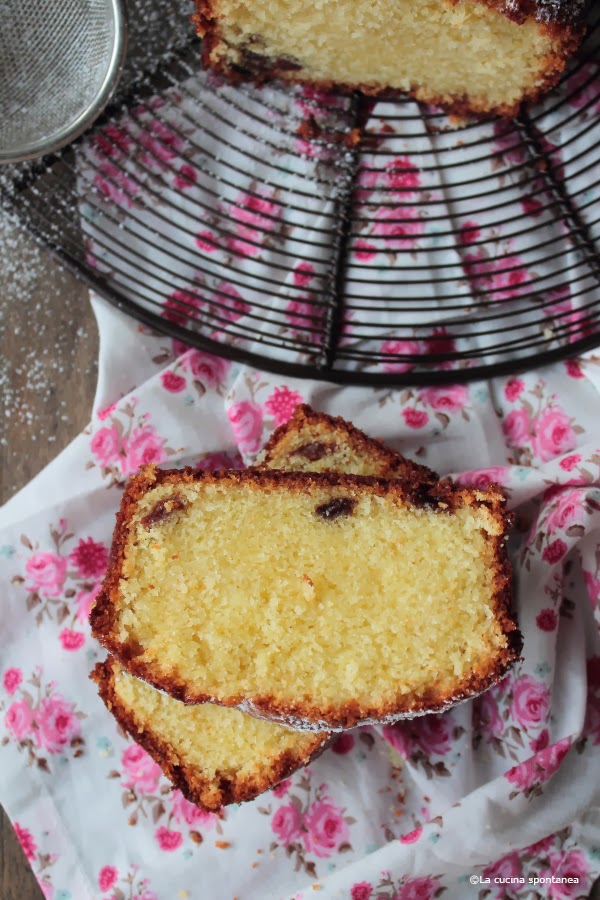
562, 21
283, 448
442, 497
208, 793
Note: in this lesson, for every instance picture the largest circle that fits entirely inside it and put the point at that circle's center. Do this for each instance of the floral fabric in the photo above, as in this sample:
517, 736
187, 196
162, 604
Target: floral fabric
505, 788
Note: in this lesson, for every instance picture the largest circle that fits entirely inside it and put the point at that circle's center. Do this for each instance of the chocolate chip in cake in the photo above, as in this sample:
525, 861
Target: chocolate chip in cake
340, 506
162, 509
424, 495
313, 451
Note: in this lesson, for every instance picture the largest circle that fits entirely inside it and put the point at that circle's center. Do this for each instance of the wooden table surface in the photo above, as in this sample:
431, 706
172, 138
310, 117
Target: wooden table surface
48, 350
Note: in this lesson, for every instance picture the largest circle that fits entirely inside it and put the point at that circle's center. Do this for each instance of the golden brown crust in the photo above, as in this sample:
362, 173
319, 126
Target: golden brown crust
391, 464
210, 794
442, 497
561, 20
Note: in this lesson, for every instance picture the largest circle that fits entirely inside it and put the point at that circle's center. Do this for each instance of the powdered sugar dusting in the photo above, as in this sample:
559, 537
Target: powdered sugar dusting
49, 348
552, 11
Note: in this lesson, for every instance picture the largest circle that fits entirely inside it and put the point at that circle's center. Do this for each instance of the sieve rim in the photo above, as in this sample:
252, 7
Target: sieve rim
59, 139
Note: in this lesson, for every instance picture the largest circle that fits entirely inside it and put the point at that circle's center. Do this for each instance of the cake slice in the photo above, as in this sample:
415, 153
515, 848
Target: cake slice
315, 442
481, 56
214, 755
318, 600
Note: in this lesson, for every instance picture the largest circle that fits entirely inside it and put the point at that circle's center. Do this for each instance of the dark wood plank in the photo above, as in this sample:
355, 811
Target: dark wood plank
48, 350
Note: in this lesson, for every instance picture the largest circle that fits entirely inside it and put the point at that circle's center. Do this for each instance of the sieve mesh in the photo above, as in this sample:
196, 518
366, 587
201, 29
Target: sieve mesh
56, 59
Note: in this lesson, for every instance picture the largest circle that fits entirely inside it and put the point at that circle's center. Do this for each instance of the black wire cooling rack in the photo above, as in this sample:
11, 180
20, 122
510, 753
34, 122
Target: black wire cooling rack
325, 236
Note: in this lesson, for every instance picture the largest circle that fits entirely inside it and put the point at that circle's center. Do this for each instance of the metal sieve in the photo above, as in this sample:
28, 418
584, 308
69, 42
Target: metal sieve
59, 62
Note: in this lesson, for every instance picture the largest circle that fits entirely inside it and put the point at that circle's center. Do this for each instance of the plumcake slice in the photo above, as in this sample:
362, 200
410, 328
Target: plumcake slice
214, 755
318, 600
479, 56
315, 442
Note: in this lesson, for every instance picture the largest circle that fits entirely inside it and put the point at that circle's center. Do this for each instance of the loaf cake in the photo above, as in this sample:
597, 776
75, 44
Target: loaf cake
315, 442
318, 600
481, 56
214, 755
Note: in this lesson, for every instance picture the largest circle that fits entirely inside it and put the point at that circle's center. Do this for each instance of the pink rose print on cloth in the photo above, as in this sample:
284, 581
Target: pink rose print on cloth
247, 226
39, 859
362, 890
141, 772
399, 226
405, 888
126, 444
143, 446
89, 558
148, 796
107, 876
281, 405
410, 349
106, 446
282, 788
71, 640
41, 722
425, 737
325, 828
389, 227
528, 776
168, 840
211, 371
12, 679
60, 585
483, 478
500, 278
186, 178
131, 885
415, 418
304, 312
46, 573
488, 722
180, 306
114, 185
19, 720
538, 428
412, 836
554, 551
246, 421
219, 306
553, 434
287, 824
400, 176
571, 865
173, 383
507, 867
531, 701
309, 824
57, 723
162, 143
439, 403
186, 813
26, 841
566, 508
